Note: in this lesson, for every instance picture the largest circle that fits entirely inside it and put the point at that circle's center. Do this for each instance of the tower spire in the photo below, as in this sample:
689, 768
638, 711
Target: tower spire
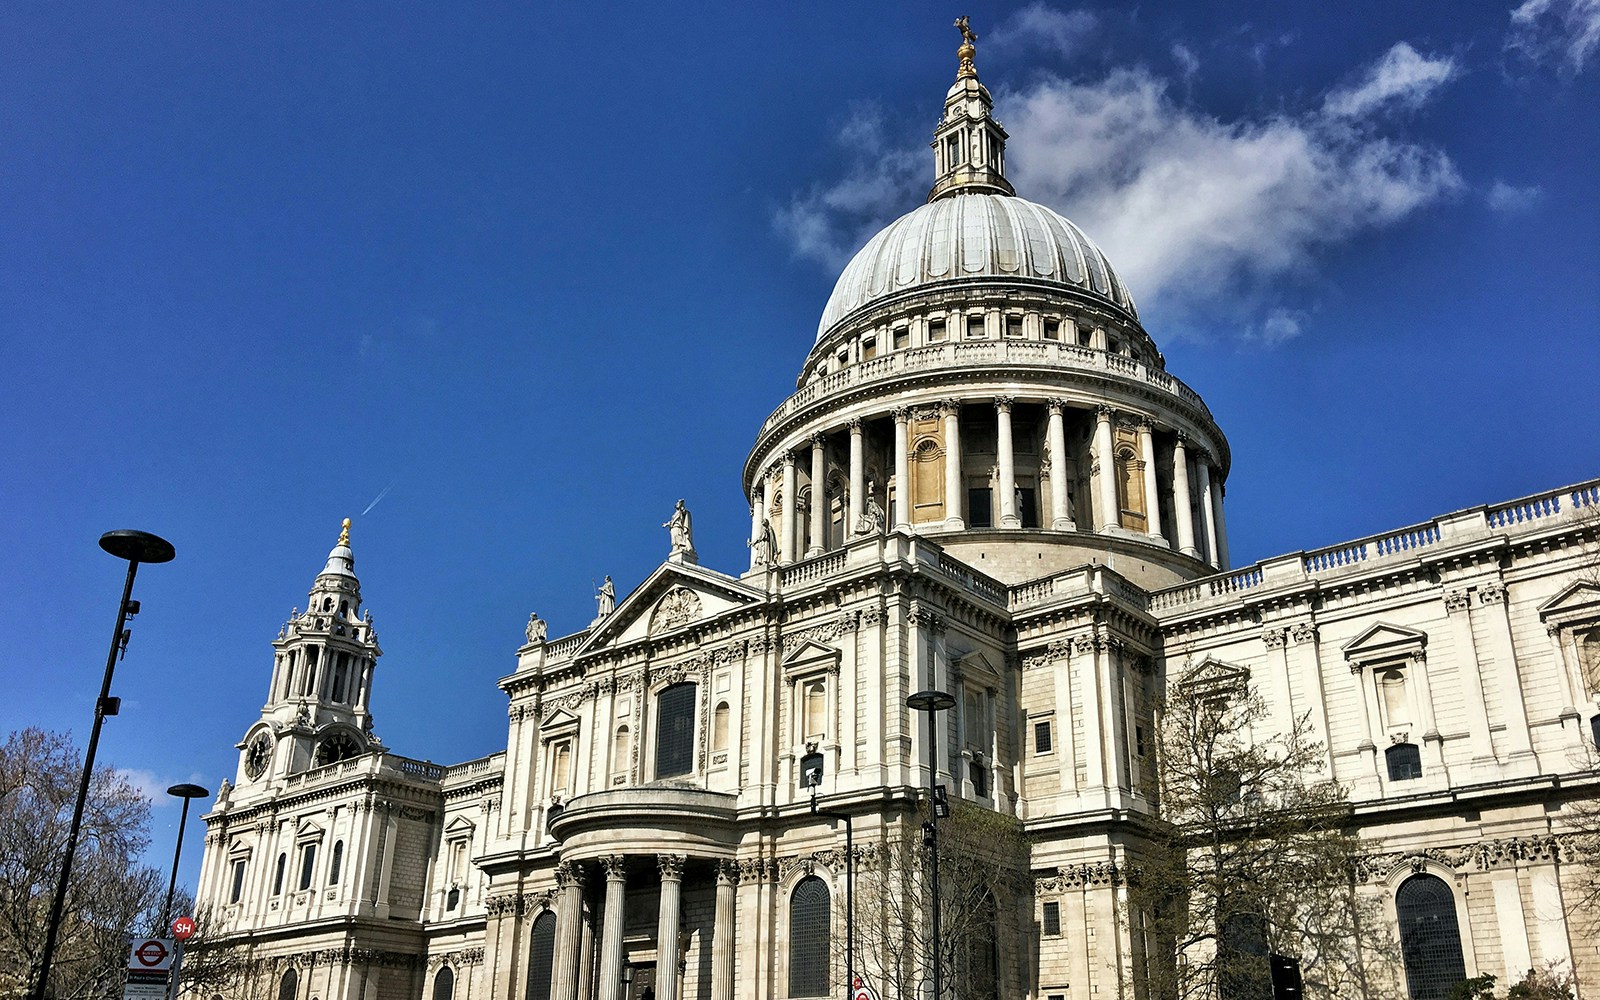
969, 146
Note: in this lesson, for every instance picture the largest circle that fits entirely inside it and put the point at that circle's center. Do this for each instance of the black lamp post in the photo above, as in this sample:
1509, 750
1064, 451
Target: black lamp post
184, 792
932, 703
136, 547
811, 767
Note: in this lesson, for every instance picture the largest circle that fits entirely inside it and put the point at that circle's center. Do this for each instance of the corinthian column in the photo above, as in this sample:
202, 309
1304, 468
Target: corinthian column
1202, 469
722, 932
902, 470
1008, 464
667, 956
951, 411
1107, 463
611, 927
1180, 499
819, 497
791, 505
1060, 513
569, 931
858, 479
1222, 527
1152, 496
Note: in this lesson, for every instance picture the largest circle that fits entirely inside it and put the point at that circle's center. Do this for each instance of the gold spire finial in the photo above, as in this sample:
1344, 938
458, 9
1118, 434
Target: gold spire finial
967, 71
344, 532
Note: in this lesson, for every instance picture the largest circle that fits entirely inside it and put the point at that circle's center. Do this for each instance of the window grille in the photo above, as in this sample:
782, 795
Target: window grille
675, 731
1052, 919
1405, 761
810, 949
1042, 738
541, 956
1430, 938
444, 984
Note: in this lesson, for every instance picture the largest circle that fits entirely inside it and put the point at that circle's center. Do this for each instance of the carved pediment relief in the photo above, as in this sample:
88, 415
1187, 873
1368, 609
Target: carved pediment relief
677, 608
1384, 641
676, 595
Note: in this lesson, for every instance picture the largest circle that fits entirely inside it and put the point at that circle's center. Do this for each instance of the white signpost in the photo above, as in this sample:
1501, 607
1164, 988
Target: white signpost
149, 969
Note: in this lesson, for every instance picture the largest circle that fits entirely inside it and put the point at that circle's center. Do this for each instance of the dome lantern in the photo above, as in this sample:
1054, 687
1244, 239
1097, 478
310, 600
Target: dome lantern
969, 146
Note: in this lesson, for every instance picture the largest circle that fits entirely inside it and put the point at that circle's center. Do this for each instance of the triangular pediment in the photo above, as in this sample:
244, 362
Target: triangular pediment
308, 831
1575, 601
1384, 639
976, 667
808, 657
458, 827
1214, 674
558, 720
675, 596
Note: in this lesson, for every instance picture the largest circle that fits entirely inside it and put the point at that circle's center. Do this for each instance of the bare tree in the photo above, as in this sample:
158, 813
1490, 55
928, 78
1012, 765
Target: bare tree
983, 879
1255, 856
111, 894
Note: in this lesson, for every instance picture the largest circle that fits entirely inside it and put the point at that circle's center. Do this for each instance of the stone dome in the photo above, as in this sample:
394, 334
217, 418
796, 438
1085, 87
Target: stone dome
973, 237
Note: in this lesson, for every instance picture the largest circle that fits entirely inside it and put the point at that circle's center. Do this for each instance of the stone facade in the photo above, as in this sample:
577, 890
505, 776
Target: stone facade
985, 484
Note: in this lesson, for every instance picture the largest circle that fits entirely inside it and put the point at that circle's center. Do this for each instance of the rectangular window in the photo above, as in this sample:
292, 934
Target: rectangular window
335, 862
675, 731
1052, 919
308, 861
980, 778
1043, 739
1052, 329
238, 882
1028, 506
1138, 740
936, 331
975, 327
980, 507
1013, 326
902, 338
869, 348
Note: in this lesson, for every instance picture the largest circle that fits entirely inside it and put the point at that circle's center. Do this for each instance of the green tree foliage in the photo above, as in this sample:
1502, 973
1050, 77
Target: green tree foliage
111, 895
1255, 855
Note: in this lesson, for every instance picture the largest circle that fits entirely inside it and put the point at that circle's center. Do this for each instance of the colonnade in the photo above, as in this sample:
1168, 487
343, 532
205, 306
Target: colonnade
574, 943
1205, 540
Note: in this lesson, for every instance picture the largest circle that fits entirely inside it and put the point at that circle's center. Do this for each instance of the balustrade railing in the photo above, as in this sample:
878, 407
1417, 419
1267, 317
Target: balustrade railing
564, 647
813, 569
472, 768
974, 581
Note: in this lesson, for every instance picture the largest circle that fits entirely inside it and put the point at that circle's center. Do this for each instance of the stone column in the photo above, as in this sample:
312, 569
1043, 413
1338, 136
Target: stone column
1468, 671
758, 515
1202, 469
611, 927
790, 525
1008, 464
819, 497
902, 470
950, 410
1222, 530
569, 931
667, 957
1180, 499
858, 479
1060, 513
1152, 496
1106, 462
722, 932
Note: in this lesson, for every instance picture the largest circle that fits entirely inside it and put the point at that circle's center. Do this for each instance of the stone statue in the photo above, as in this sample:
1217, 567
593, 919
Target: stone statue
765, 546
873, 520
605, 598
537, 628
681, 526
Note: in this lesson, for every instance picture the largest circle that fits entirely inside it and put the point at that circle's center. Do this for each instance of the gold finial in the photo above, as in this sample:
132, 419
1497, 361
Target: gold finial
967, 71
344, 532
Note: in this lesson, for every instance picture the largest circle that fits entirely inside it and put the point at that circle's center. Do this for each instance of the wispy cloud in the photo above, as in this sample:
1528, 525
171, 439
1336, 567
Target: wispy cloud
1563, 34
1202, 216
1503, 197
1403, 78
1039, 26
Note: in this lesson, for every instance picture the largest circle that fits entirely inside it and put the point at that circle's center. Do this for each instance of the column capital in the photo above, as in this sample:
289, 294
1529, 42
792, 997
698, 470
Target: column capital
1002, 404
855, 425
727, 872
1055, 406
1455, 601
1104, 412
818, 440
902, 414
1182, 440
949, 407
788, 457
671, 866
570, 873
615, 866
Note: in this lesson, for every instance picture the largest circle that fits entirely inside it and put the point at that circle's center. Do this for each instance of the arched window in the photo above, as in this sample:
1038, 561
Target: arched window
1430, 938
815, 710
927, 481
1242, 958
719, 727
444, 984
979, 955
1405, 761
560, 768
675, 731
541, 956
810, 948
335, 862
1594, 731
289, 985
622, 751
1396, 711
277, 878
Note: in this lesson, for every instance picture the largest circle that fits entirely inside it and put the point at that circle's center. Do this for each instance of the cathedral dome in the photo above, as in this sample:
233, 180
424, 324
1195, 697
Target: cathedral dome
973, 237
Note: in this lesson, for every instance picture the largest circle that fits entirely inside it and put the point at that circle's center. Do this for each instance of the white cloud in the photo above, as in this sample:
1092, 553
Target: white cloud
1207, 220
1403, 77
1041, 26
1564, 33
146, 783
1188, 62
1503, 197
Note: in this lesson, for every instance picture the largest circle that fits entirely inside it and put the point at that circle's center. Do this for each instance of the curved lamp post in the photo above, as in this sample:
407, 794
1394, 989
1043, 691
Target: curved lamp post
932, 703
136, 547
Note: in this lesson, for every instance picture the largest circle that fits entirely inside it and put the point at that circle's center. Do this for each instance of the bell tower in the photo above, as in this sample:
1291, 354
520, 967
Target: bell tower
969, 146
318, 704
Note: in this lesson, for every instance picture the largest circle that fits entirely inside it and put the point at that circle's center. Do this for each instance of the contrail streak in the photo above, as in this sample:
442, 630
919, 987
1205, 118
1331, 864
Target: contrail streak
380, 496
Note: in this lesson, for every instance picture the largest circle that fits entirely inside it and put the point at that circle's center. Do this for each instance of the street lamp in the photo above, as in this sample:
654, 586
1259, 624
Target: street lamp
184, 792
811, 767
136, 547
932, 703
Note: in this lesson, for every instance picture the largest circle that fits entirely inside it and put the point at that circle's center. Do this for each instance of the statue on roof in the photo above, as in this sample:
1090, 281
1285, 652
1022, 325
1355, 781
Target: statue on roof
967, 50
537, 628
681, 526
605, 599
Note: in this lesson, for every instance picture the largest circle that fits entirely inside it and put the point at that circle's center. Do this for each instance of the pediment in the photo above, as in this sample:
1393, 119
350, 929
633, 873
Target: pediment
976, 667
1382, 640
675, 596
809, 657
308, 831
458, 827
558, 721
1212, 674
1575, 602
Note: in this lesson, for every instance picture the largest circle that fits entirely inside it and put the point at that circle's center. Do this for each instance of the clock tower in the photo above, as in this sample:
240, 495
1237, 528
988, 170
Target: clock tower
317, 709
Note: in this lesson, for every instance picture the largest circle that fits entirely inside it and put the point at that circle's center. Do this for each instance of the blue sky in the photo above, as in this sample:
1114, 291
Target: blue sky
533, 274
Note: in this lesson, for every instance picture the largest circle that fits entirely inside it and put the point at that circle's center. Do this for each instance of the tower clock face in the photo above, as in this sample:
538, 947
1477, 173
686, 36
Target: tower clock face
257, 754
339, 746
